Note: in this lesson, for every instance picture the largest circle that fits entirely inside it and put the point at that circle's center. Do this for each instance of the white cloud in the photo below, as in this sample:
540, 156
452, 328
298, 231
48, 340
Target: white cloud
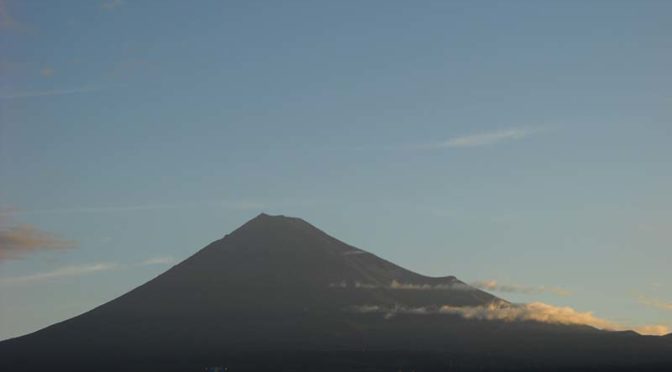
394, 284
653, 330
485, 138
536, 311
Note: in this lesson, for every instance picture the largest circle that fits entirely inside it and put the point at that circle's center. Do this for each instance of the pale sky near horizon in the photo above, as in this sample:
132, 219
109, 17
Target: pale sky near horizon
522, 142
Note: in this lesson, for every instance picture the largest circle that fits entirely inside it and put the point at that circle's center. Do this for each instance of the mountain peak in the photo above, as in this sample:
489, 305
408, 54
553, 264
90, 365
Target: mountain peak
265, 217
274, 224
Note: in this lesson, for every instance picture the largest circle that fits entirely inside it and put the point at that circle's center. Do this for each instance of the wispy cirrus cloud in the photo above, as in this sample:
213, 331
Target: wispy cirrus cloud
62, 272
18, 241
81, 270
484, 138
493, 285
536, 311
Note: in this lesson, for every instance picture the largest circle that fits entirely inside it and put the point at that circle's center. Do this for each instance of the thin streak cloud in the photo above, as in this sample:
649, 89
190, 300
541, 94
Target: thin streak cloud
485, 138
158, 261
63, 272
81, 270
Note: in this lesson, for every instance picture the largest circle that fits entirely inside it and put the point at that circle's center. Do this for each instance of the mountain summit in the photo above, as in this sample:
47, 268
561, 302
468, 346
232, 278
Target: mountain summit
279, 285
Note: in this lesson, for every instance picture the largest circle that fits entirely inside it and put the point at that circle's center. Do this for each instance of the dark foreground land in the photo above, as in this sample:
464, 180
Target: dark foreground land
344, 361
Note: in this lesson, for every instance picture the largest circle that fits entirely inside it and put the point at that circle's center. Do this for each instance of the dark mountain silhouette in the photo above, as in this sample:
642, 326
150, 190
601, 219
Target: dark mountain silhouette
278, 293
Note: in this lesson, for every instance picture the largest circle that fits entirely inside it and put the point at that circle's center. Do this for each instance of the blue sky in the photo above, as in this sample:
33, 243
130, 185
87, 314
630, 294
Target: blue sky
525, 142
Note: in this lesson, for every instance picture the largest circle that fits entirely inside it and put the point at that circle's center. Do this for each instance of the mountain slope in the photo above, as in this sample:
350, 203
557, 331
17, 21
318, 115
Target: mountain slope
278, 283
